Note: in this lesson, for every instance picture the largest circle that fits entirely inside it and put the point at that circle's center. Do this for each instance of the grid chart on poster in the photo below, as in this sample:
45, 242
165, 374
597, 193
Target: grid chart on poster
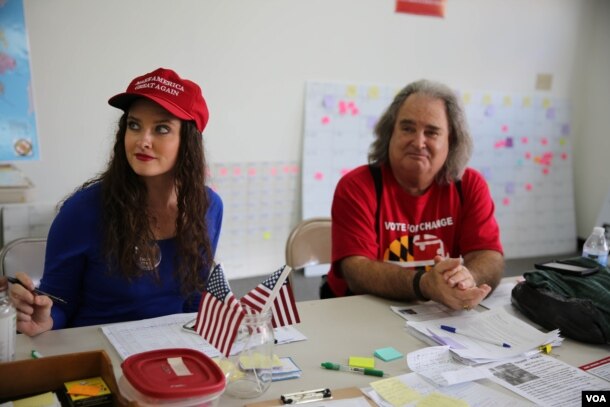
260, 209
523, 148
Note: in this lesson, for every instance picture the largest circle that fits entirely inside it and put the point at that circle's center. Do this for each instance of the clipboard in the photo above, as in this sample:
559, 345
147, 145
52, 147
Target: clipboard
337, 394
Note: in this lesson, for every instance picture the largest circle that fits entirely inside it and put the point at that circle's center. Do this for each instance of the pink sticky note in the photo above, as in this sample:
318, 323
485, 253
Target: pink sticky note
528, 187
325, 120
318, 176
504, 128
506, 201
546, 170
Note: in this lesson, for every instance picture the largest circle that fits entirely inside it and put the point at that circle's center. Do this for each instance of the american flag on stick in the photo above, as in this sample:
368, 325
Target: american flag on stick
277, 289
220, 313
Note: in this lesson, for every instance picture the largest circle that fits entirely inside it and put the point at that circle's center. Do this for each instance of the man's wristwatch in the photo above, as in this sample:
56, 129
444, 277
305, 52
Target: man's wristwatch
416, 289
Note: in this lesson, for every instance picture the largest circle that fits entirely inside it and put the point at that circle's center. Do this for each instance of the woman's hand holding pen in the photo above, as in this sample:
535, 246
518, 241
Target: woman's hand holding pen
33, 311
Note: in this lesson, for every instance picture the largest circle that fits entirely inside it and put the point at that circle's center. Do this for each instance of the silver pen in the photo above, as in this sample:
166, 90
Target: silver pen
37, 291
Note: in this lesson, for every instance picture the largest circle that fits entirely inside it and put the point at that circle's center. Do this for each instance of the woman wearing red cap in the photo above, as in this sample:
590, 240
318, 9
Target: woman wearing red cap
138, 240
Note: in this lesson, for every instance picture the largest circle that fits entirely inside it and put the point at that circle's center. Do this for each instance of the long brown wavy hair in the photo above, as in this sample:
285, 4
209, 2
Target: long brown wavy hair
126, 225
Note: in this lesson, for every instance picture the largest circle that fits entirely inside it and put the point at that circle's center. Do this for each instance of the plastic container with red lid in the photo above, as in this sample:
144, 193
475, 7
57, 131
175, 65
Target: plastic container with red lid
172, 377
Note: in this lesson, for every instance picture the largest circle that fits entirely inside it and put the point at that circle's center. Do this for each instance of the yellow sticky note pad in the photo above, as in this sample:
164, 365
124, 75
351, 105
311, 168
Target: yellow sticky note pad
230, 370
45, 399
94, 387
440, 400
395, 392
358, 361
258, 360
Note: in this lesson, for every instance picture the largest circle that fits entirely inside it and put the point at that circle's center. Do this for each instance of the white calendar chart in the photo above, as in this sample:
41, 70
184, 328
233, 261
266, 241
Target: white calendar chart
523, 148
260, 209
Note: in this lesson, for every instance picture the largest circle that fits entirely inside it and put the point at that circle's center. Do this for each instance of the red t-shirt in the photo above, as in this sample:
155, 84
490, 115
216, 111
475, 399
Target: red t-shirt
411, 227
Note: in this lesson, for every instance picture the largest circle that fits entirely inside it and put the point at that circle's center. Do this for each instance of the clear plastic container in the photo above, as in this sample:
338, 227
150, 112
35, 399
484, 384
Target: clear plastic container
172, 377
249, 372
8, 327
131, 394
596, 247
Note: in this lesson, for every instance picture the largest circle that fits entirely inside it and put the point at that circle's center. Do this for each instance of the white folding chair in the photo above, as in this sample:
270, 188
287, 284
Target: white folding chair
309, 243
24, 254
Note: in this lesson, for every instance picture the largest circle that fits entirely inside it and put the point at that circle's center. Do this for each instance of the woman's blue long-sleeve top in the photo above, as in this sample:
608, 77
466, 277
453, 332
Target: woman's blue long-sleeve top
76, 270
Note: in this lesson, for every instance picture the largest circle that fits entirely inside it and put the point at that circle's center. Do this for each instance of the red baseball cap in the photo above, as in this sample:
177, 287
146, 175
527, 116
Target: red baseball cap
180, 97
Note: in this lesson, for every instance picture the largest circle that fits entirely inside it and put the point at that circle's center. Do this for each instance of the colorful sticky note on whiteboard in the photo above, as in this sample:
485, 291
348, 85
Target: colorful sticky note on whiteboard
328, 101
374, 92
351, 91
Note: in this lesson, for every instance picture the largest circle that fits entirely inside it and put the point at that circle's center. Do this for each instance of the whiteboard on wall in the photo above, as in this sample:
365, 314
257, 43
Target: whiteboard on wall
260, 209
523, 148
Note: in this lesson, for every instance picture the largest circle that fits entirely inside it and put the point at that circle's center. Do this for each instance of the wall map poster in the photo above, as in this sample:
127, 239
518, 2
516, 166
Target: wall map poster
523, 148
18, 137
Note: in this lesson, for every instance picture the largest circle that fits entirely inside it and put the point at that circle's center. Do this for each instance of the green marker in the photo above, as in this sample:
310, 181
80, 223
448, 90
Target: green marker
344, 368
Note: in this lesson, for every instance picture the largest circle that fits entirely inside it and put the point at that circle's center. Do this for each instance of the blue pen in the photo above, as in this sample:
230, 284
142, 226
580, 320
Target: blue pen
475, 337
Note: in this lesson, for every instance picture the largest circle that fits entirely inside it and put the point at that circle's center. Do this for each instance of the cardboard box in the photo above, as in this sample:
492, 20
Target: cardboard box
26, 377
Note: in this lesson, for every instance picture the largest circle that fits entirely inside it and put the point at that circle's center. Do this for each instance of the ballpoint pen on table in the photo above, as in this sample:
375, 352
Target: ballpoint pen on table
345, 368
37, 291
474, 336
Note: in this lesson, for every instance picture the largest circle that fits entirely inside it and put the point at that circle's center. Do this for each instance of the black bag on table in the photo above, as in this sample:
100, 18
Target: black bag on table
579, 306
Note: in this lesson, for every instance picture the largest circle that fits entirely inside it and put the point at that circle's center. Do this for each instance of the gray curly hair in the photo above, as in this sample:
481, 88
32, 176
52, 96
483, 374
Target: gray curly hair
460, 141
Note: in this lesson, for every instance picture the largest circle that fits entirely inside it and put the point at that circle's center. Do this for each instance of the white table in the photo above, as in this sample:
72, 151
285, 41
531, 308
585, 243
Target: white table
335, 328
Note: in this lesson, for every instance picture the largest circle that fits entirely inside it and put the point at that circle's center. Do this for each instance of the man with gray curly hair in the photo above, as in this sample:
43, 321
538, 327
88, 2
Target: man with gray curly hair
416, 223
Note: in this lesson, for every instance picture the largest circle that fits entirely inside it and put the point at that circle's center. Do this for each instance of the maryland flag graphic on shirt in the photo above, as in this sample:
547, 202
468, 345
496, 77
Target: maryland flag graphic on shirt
418, 247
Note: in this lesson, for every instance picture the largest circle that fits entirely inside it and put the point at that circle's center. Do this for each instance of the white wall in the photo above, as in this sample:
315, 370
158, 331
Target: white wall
592, 147
252, 59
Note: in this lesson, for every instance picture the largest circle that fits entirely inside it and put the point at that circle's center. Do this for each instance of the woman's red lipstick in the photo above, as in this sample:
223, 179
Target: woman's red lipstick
144, 157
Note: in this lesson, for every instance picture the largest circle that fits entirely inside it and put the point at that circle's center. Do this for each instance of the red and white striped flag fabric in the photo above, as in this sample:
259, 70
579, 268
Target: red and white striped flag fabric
284, 307
220, 313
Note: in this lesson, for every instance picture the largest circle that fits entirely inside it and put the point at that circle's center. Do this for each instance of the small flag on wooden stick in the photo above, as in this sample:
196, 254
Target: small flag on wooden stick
220, 313
275, 292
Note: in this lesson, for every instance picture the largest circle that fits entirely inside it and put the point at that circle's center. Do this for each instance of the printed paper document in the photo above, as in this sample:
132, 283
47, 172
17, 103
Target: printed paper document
133, 337
546, 381
494, 324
